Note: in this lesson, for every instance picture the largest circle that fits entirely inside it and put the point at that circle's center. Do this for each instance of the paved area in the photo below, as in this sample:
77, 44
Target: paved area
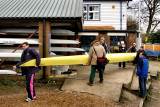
114, 79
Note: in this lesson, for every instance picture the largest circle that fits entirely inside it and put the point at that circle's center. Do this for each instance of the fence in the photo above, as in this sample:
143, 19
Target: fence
155, 47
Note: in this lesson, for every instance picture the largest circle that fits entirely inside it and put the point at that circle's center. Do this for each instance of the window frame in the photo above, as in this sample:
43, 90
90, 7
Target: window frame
87, 12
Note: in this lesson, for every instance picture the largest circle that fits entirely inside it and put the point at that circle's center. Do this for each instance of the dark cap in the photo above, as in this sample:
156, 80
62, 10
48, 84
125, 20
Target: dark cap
141, 47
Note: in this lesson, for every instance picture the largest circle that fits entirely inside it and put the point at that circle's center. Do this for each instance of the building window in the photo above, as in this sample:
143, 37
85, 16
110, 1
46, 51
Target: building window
85, 12
85, 41
115, 39
91, 12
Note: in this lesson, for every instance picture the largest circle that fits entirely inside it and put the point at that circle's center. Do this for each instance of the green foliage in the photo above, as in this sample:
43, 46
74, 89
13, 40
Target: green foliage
8, 82
154, 37
148, 94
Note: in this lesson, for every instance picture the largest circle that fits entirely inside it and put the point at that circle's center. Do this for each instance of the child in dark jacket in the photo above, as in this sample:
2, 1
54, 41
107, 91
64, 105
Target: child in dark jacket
142, 72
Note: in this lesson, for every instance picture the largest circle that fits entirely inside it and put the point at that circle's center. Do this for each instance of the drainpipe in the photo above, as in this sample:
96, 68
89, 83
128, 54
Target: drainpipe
139, 39
121, 15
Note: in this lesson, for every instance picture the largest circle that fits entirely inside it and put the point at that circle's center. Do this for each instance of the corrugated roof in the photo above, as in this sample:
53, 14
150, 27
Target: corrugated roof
40, 8
107, 0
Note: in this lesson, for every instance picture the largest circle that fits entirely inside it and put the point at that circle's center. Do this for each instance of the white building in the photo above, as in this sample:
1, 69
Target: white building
105, 13
108, 15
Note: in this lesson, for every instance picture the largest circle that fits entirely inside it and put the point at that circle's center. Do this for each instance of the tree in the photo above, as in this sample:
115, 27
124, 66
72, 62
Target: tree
154, 37
150, 10
132, 24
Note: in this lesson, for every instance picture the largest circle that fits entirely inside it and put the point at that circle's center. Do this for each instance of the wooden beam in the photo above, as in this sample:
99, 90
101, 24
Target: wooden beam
41, 44
47, 54
98, 28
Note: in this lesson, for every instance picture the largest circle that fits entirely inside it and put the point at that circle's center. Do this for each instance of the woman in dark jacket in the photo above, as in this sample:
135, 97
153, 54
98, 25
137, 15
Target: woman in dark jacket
122, 49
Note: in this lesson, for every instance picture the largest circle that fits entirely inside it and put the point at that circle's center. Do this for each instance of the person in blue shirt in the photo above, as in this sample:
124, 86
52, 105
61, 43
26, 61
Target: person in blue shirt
102, 41
142, 72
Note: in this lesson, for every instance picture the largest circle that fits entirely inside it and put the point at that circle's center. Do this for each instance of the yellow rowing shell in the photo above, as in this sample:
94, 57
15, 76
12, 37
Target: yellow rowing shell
80, 59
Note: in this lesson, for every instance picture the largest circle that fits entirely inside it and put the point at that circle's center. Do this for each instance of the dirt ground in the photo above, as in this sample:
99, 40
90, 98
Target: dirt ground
153, 95
48, 93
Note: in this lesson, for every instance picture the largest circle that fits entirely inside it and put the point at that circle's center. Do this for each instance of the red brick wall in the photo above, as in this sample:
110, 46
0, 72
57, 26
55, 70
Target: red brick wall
131, 38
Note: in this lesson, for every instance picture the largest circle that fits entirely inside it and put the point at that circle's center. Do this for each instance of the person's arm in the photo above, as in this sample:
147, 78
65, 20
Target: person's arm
104, 52
36, 56
18, 64
136, 58
120, 49
90, 55
22, 60
129, 49
140, 63
106, 48
136, 49
124, 49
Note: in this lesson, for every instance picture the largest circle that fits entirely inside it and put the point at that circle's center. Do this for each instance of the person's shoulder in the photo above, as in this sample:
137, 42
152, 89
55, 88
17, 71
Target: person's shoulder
32, 50
100, 46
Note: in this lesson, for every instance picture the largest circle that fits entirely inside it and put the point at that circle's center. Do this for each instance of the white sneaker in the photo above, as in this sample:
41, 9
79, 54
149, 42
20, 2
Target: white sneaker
28, 99
34, 97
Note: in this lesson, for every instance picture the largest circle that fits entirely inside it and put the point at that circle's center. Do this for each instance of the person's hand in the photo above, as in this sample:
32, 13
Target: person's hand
136, 75
14, 68
88, 64
36, 66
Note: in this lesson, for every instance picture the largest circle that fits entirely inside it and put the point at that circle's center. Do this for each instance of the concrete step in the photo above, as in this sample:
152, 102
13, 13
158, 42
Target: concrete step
138, 102
114, 80
129, 96
153, 73
116, 75
106, 90
135, 83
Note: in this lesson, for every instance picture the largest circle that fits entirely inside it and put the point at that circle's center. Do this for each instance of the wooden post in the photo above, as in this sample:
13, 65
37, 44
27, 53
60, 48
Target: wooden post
41, 44
47, 54
48, 31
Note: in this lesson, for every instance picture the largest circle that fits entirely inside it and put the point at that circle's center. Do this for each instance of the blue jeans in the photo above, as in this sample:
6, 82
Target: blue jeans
142, 86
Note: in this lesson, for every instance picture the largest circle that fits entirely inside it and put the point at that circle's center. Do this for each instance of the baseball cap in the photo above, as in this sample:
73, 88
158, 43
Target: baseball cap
102, 38
141, 47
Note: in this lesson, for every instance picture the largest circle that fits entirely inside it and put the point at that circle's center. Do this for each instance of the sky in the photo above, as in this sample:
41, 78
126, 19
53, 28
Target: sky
143, 26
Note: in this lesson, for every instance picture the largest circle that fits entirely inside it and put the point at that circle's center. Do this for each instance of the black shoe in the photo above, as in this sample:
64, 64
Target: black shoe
101, 81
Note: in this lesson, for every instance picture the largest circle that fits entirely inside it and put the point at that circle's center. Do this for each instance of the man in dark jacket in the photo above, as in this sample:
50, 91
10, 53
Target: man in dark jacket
132, 48
29, 54
142, 72
137, 56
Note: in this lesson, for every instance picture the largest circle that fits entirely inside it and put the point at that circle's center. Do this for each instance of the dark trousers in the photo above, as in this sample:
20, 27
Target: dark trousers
142, 86
103, 68
93, 71
30, 86
124, 64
